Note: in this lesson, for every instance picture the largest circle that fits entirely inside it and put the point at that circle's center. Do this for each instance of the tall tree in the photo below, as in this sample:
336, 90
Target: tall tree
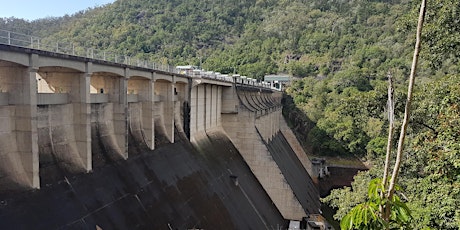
383, 207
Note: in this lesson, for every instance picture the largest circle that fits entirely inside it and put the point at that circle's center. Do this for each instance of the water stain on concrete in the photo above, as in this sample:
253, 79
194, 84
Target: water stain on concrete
175, 186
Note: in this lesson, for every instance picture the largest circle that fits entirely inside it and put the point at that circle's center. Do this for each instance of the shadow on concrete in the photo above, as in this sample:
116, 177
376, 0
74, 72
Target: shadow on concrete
172, 187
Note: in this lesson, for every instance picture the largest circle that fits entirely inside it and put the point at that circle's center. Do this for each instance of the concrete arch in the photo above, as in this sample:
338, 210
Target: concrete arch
16, 58
45, 61
139, 86
183, 80
115, 70
57, 79
163, 77
8, 70
105, 83
133, 73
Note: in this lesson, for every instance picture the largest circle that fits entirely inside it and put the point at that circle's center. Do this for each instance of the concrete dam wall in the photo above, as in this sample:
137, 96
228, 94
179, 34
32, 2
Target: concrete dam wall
175, 186
254, 129
86, 144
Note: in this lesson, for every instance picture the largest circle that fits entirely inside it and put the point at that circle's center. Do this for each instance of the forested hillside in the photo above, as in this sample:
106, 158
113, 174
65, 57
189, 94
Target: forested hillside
342, 52
251, 37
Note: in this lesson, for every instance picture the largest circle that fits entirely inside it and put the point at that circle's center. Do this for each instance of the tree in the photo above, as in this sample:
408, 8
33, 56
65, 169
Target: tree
384, 207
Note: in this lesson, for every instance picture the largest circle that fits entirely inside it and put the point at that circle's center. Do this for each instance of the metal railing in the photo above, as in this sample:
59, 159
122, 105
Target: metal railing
33, 42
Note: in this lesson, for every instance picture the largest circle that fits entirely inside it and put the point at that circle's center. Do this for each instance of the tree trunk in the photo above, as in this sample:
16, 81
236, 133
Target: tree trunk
394, 176
390, 107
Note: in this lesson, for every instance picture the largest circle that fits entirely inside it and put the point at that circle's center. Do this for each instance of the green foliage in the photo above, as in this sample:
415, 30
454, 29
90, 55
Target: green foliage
345, 198
250, 37
434, 163
376, 147
430, 173
300, 69
367, 215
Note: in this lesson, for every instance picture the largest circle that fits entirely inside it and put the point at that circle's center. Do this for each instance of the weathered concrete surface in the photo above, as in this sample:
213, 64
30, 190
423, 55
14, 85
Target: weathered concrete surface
172, 187
301, 183
103, 128
92, 110
141, 120
241, 129
297, 148
57, 140
164, 109
19, 151
12, 172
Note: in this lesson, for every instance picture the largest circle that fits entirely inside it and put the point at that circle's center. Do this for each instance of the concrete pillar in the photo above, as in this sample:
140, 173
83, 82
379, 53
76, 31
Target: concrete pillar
148, 120
277, 121
266, 126
219, 106
193, 111
269, 124
169, 112
201, 108
19, 159
213, 111
23, 94
26, 124
208, 106
120, 113
82, 115
230, 102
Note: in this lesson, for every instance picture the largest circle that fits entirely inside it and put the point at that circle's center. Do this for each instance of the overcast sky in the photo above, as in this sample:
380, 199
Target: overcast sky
35, 9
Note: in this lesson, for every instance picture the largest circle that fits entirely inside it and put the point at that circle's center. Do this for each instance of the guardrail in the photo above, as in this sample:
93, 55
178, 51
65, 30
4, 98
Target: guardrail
33, 42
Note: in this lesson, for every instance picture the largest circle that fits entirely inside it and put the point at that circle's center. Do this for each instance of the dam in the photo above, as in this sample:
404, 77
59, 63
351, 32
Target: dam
93, 144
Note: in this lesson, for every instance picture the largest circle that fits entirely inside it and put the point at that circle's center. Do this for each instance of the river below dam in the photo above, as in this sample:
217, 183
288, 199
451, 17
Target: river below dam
339, 177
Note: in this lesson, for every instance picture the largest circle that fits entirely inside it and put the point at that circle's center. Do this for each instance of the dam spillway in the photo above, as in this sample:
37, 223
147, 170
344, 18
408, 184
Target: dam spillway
88, 143
174, 185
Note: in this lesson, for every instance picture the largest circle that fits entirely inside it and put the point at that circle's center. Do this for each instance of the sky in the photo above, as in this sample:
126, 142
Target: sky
35, 9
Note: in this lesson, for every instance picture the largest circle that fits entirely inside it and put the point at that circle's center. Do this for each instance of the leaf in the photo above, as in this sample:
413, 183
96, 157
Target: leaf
346, 222
375, 187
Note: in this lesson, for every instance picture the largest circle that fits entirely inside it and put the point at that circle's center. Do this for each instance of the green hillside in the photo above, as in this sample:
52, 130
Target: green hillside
341, 51
251, 37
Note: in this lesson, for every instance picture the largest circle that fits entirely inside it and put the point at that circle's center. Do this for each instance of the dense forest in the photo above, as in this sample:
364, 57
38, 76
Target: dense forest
341, 53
